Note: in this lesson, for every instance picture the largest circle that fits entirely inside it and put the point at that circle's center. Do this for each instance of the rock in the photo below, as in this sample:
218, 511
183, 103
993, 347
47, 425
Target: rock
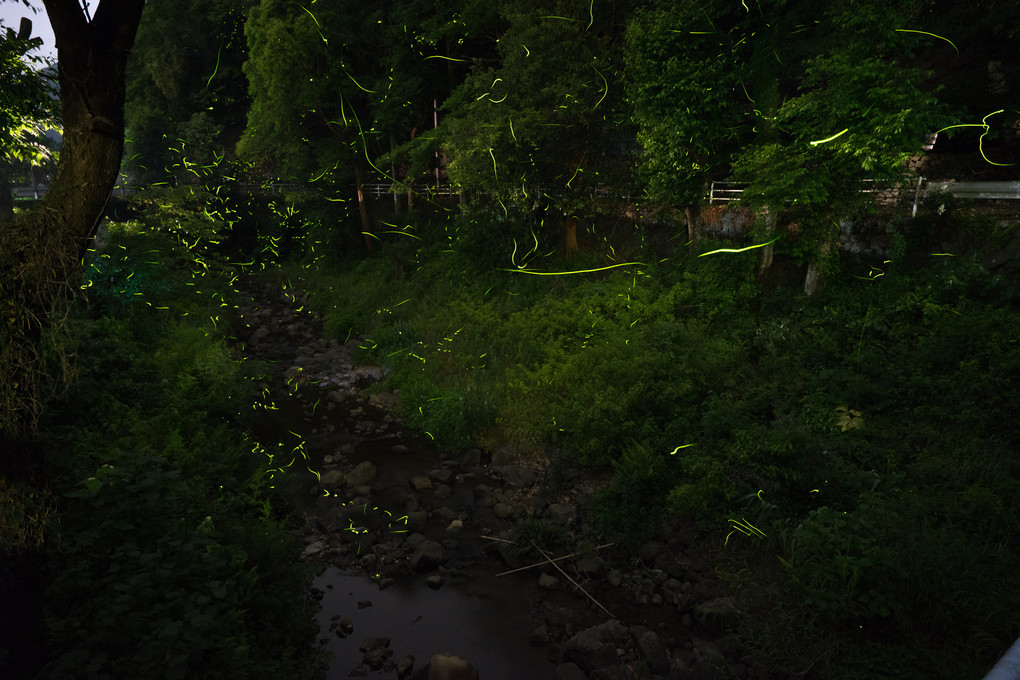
441, 475
563, 514
548, 582
539, 636
503, 510
364, 604
420, 482
376, 651
504, 455
515, 475
654, 652
434, 581
569, 671
428, 555
404, 666
471, 458
399, 449
719, 615
332, 480
446, 667
362, 474
483, 496
455, 525
591, 566
313, 549
346, 625
595, 648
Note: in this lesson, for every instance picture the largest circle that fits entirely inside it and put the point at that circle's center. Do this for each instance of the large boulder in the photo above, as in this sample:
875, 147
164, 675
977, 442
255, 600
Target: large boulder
595, 647
362, 474
446, 667
427, 556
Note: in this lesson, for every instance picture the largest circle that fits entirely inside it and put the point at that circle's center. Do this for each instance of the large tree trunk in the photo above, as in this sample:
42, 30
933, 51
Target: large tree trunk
42, 249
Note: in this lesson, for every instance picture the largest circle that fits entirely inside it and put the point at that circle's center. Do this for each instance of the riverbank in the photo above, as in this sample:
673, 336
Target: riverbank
393, 520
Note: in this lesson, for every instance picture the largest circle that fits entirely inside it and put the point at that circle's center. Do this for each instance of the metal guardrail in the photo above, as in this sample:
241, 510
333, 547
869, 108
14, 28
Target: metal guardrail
723, 192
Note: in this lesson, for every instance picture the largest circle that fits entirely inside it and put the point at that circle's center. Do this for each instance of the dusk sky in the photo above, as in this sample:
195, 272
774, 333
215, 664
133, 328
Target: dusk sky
11, 12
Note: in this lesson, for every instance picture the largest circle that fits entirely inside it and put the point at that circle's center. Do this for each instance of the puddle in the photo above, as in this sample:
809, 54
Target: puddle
487, 627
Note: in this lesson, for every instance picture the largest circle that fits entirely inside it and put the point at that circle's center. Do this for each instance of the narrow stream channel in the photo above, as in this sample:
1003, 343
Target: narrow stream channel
475, 614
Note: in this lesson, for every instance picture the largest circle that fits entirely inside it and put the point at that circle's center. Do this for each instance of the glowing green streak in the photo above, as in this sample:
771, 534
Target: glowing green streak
591, 14
908, 30
358, 84
494, 172
579, 271
217, 67
829, 139
981, 139
439, 56
606, 83
551, 16
317, 29
682, 446
740, 250
512, 128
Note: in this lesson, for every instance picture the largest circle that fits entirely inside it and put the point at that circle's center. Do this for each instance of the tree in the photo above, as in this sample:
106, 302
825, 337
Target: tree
860, 109
535, 129
185, 87
41, 250
26, 108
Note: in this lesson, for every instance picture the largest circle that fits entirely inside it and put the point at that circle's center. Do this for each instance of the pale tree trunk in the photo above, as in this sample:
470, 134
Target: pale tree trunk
816, 269
366, 227
766, 253
693, 215
570, 237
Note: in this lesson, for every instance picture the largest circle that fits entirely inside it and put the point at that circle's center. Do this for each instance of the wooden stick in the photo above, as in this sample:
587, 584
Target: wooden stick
576, 584
557, 559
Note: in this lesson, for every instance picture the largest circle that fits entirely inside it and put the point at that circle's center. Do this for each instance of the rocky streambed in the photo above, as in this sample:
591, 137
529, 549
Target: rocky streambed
433, 563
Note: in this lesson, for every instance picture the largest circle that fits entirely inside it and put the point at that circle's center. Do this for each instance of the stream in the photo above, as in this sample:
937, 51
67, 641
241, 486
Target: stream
415, 548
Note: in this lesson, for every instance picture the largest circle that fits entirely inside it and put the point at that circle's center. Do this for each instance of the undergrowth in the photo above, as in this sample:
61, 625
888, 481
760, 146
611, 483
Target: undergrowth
168, 558
857, 442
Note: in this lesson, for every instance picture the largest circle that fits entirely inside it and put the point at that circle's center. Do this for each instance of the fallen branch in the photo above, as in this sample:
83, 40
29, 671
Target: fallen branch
555, 559
576, 584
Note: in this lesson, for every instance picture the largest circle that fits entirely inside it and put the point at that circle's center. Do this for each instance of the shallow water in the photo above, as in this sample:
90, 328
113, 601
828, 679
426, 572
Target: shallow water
486, 625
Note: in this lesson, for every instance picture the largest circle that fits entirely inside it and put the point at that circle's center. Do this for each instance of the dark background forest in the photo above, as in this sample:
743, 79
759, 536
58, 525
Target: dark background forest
506, 205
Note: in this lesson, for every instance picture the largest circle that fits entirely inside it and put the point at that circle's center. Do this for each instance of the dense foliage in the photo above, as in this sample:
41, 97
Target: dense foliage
854, 451
168, 559
851, 455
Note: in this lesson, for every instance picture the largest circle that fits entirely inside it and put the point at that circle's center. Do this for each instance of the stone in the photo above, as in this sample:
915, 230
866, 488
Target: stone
443, 491
548, 582
313, 549
591, 566
420, 482
563, 514
719, 615
455, 525
503, 510
399, 449
471, 458
404, 666
434, 581
427, 556
446, 667
363, 473
515, 475
595, 648
654, 652
346, 625
569, 671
